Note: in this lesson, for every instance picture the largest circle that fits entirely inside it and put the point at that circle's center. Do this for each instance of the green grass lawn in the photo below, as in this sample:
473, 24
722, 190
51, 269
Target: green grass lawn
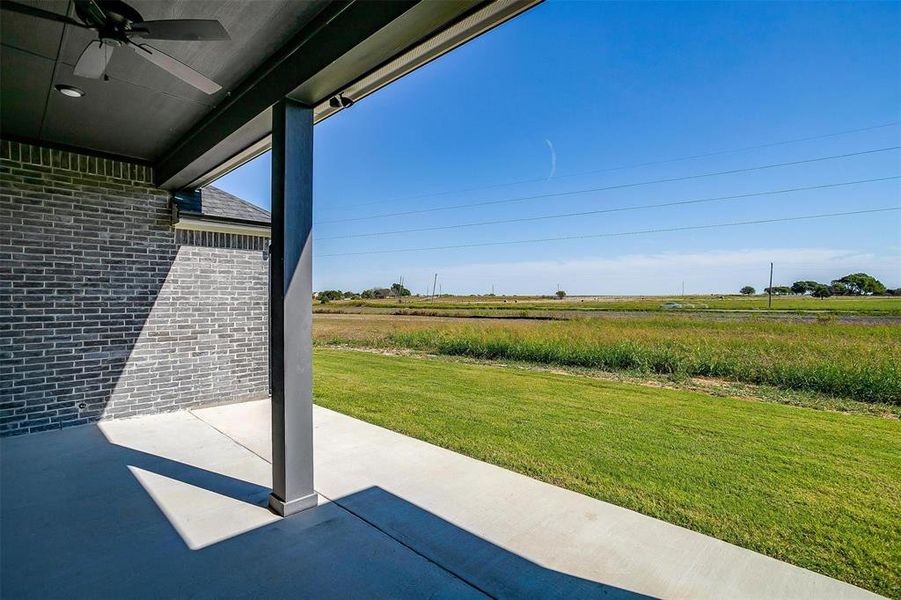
818, 489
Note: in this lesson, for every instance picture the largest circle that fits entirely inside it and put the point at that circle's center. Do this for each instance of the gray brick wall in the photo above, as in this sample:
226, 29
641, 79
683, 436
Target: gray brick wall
104, 311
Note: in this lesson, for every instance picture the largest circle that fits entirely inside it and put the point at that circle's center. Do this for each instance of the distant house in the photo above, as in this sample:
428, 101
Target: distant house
212, 210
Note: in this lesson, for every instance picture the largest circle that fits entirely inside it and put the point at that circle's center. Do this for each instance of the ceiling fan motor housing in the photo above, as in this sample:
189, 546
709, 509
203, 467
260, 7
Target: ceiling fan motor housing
113, 22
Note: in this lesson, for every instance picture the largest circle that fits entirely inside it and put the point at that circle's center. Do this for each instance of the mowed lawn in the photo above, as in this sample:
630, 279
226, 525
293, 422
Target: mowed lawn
818, 489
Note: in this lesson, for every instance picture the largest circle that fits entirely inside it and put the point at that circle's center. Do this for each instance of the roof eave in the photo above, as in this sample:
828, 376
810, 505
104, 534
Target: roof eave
198, 222
240, 129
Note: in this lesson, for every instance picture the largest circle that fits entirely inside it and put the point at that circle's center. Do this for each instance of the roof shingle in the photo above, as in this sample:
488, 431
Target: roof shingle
218, 203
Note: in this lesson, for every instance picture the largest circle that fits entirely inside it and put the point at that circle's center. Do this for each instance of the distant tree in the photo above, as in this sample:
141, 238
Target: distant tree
326, 296
821, 291
398, 290
804, 287
778, 290
348, 294
747, 290
367, 295
561, 294
894, 292
381, 293
860, 284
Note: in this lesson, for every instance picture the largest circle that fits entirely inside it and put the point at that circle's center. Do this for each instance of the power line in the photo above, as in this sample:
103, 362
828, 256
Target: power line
610, 187
621, 233
608, 210
624, 167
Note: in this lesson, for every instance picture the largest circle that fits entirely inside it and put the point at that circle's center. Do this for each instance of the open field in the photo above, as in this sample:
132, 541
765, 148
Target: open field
818, 489
855, 361
872, 305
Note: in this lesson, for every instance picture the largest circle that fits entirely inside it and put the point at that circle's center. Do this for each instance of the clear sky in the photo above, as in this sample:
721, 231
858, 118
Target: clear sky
573, 96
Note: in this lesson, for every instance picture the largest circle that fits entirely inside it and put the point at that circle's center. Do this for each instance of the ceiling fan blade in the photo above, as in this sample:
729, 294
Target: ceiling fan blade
181, 29
40, 13
177, 68
92, 62
91, 12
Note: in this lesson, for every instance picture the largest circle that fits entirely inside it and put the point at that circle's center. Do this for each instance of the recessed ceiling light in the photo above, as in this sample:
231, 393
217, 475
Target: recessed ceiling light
69, 90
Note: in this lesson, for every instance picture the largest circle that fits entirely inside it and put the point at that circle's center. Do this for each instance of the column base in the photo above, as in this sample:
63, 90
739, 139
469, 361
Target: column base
286, 509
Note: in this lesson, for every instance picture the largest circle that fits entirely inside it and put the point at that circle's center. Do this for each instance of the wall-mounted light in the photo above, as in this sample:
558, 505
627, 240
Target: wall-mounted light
69, 90
340, 101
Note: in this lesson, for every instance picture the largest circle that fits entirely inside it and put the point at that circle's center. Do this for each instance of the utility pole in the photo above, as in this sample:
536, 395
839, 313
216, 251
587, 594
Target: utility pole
400, 291
683, 289
434, 286
769, 303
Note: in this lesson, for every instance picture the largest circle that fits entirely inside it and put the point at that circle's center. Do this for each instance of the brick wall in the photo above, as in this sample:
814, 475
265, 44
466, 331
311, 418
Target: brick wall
104, 312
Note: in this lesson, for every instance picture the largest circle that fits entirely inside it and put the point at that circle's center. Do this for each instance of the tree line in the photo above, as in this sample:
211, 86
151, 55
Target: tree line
395, 291
853, 284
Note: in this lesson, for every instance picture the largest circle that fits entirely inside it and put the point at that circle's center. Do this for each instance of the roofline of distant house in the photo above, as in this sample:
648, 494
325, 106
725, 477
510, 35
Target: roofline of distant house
199, 222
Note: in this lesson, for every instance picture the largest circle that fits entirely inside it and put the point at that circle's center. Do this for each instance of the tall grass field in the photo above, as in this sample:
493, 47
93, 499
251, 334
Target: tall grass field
855, 361
873, 305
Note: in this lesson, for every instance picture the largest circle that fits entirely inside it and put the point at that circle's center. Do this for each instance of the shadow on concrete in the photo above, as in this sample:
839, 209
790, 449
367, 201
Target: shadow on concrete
77, 523
491, 569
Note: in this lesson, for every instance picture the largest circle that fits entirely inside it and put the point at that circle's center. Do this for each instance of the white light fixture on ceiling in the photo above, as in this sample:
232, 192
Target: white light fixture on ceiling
69, 90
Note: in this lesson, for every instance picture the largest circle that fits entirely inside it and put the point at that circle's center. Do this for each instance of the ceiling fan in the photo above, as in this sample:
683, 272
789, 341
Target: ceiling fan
119, 25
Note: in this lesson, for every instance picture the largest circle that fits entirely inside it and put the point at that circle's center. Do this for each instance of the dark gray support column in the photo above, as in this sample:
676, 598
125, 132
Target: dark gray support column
291, 308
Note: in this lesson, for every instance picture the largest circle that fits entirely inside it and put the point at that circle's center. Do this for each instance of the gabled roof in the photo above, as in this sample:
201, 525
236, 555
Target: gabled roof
212, 209
214, 204
219, 203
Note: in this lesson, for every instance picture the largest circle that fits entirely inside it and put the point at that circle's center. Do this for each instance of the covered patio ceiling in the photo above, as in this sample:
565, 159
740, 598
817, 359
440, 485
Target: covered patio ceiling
307, 51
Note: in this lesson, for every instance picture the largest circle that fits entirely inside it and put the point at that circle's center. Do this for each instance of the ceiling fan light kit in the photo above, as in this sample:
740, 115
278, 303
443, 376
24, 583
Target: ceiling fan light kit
116, 23
69, 90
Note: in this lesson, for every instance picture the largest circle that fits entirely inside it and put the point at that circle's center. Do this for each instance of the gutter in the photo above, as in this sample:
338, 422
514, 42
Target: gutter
198, 222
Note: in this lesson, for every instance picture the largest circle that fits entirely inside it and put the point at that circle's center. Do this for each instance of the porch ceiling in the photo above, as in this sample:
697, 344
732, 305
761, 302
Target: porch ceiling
304, 49
141, 110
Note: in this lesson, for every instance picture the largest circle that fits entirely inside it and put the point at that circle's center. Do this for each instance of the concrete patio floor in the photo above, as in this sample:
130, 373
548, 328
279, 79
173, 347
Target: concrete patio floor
173, 505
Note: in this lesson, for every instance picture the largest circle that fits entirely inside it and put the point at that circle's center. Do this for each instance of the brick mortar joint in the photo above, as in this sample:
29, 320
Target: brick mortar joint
20, 153
145, 325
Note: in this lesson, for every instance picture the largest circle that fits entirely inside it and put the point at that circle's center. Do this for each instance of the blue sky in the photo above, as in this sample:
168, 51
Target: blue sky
576, 87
